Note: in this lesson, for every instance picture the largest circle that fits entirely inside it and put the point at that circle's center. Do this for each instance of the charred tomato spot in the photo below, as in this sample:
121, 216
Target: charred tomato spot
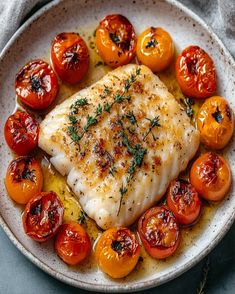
159, 227
208, 171
182, 190
123, 243
35, 83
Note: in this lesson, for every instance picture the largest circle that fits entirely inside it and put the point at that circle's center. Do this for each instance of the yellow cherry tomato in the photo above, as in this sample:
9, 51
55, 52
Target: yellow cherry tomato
215, 122
155, 48
116, 40
24, 179
117, 252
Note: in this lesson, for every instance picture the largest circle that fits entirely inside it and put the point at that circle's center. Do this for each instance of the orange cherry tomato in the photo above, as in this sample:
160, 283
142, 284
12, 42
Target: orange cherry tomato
23, 179
21, 132
72, 243
70, 57
195, 73
36, 84
215, 122
43, 216
117, 252
159, 232
182, 199
155, 48
116, 40
210, 175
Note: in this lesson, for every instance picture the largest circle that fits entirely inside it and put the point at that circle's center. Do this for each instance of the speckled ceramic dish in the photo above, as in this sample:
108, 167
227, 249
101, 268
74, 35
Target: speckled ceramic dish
33, 40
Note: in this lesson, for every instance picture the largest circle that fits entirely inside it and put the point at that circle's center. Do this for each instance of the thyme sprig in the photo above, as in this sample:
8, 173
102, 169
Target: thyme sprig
188, 103
92, 120
153, 123
138, 153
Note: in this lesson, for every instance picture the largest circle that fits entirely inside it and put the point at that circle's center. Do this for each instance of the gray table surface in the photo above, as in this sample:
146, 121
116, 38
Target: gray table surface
215, 274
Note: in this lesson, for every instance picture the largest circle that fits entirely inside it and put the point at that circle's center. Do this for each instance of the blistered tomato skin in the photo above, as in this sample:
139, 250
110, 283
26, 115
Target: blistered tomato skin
215, 122
24, 179
42, 216
117, 252
210, 175
70, 57
155, 49
21, 132
195, 73
159, 232
36, 85
72, 243
183, 201
116, 40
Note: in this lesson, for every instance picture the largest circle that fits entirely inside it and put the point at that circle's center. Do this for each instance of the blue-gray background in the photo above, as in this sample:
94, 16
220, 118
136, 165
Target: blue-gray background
18, 275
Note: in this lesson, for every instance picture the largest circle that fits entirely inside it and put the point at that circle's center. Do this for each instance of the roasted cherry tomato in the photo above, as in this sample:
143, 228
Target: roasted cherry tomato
215, 121
72, 243
195, 73
36, 84
211, 176
21, 132
183, 201
43, 216
159, 232
70, 57
23, 179
155, 49
117, 252
116, 40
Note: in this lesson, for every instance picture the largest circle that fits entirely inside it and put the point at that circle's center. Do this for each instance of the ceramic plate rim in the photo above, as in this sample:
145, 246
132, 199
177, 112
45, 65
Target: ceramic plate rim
135, 286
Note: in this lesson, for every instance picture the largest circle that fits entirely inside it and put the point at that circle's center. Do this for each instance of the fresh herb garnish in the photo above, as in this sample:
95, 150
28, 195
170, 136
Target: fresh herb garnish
114, 38
151, 43
28, 174
92, 120
82, 217
188, 102
116, 246
153, 123
217, 115
138, 153
131, 117
112, 170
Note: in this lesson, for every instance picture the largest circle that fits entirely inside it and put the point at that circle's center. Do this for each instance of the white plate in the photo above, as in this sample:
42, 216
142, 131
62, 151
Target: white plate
33, 40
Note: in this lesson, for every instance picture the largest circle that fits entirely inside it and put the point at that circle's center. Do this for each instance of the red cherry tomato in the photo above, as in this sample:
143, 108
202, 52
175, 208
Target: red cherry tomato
159, 232
195, 73
72, 243
36, 84
21, 132
183, 201
70, 57
43, 216
116, 40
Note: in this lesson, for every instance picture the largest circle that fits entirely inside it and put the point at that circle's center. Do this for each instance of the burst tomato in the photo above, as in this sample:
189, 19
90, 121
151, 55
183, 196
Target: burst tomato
21, 132
215, 122
155, 49
70, 57
43, 216
116, 40
159, 232
117, 252
72, 243
195, 73
36, 84
23, 179
210, 175
183, 201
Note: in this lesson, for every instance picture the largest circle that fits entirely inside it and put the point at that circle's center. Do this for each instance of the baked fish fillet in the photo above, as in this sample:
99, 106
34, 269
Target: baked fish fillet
120, 142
